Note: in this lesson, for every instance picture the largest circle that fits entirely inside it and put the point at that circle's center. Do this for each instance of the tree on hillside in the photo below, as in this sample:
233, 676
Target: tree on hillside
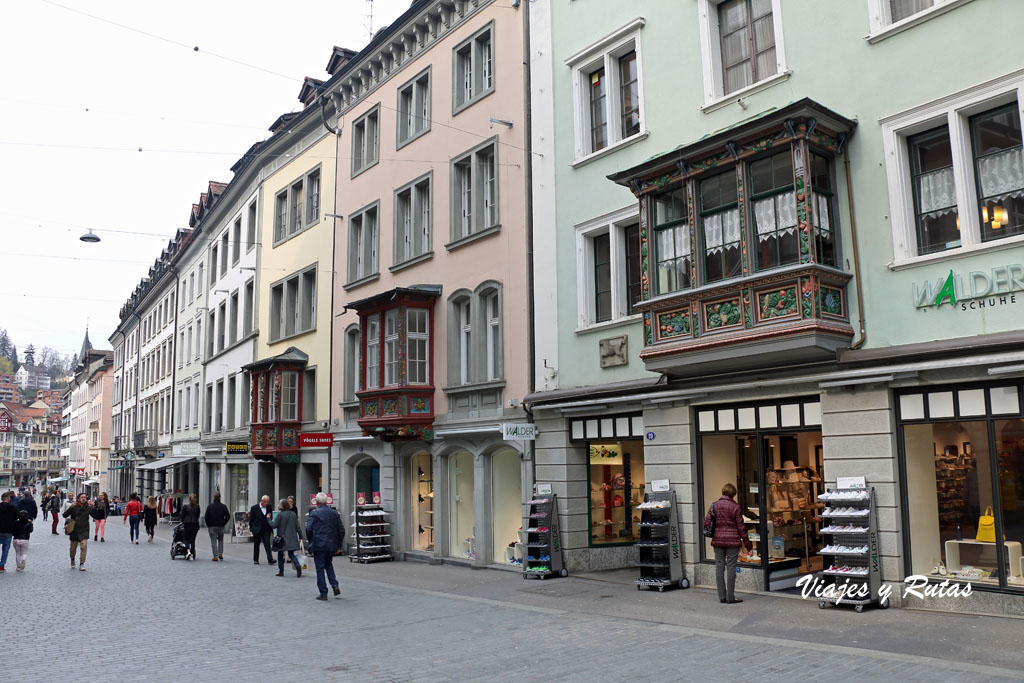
14, 356
30, 355
6, 366
5, 345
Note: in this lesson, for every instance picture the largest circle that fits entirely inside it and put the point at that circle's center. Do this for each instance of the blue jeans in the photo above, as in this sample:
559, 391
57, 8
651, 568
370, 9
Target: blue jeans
133, 527
291, 558
324, 562
5, 541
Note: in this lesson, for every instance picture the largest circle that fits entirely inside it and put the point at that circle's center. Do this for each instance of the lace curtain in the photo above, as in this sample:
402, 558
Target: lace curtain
776, 213
822, 214
1002, 174
673, 242
725, 224
937, 191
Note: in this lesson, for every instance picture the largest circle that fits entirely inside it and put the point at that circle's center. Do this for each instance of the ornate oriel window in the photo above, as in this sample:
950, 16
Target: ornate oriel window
395, 363
739, 238
276, 405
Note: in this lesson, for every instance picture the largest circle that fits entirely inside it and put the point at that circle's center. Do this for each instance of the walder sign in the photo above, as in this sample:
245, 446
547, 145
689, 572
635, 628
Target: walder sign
975, 290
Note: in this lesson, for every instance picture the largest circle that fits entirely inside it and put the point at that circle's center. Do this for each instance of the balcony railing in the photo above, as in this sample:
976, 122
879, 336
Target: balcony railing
122, 443
145, 438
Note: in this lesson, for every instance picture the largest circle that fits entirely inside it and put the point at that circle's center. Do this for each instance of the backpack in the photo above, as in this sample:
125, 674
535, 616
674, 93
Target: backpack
709, 529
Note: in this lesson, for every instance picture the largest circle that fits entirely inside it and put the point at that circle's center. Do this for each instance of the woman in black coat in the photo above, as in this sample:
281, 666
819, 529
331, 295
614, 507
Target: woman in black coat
190, 513
149, 517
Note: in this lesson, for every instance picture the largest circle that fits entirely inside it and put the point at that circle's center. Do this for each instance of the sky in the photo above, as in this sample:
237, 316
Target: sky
80, 95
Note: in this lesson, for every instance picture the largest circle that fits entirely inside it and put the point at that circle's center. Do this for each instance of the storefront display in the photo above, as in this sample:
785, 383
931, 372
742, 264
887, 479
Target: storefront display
506, 507
462, 515
367, 482
963, 457
422, 469
775, 463
238, 488
616, 479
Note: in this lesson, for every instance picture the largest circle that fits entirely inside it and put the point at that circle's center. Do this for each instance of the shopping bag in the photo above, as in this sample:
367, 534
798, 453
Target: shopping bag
987, 526
302, 561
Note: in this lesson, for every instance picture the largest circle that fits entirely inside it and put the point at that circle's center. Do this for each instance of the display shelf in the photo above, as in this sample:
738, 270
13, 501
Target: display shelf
661, 563
543, 557
371, 529
853, 531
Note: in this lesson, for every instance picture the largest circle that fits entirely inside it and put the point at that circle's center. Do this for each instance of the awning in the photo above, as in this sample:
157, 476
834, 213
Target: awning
90, 482
164, 463
57, 479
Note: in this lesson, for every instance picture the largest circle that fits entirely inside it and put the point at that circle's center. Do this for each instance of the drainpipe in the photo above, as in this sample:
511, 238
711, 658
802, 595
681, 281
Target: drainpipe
528, 167
856, 257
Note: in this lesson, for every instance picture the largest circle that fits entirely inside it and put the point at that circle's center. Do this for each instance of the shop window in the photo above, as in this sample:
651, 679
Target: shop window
955, 484
506, 507
422, 479
616, 479
461, 510
367, 482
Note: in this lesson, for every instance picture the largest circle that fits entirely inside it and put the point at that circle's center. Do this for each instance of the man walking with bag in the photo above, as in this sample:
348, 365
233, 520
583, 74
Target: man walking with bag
216, 518
259, 524
78, 519
326, 537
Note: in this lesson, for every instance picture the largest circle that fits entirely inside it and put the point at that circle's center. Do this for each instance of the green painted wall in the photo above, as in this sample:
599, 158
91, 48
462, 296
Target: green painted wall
832, 63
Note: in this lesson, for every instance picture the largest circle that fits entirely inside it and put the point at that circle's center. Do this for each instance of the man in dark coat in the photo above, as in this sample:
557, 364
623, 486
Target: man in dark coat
217, 517
79, 536
28, 504
259, 524
326, 537
8, 522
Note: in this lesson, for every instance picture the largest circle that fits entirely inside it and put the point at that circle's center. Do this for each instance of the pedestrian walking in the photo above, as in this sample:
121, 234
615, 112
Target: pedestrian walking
728, 534
100, 512
190, 513
132, 512
28, 504
54, 505
22, 531
326, 538
78, 533
44, 504
8, 522
294, 507
290, 533
149, 517
217, 517
259, 524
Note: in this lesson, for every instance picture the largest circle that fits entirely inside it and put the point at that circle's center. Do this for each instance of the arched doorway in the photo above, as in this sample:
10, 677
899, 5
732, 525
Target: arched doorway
366, 481
461, 502
506, 506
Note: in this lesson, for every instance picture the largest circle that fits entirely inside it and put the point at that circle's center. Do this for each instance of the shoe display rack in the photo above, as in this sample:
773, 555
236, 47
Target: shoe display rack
851, 554
372, 532
661, 560
543, 547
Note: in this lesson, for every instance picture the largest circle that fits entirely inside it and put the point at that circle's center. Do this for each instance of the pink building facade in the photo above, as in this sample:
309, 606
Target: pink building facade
430, 350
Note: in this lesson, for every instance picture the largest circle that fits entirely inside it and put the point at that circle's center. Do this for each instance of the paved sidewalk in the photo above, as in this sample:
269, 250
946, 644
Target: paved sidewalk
405, 621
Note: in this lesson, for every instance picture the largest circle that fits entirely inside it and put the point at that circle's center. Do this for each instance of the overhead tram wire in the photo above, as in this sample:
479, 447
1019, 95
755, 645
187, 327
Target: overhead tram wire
239, 62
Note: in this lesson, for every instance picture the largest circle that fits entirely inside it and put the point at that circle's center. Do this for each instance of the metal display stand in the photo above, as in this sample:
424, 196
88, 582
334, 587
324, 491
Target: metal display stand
851, 558
372, 532
543, 547
661, 561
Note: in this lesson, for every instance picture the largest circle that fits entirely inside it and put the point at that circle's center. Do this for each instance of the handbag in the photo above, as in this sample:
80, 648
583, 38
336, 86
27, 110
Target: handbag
69, 526
709, 529
278, 542
987, 526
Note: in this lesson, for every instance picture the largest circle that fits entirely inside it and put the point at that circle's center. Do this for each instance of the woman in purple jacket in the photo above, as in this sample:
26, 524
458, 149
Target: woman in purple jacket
729, 536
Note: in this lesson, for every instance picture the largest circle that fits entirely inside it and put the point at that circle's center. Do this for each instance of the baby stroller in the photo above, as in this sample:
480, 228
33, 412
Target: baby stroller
178, 546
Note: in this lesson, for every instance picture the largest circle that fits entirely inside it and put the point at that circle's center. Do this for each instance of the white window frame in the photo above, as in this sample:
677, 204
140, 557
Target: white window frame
373, 347
413, 222
252, 217
711, 57
606, 53
392, 350
882, 25
490, 303
368, 153
415, 121
482, 198
480, 74
420, 336
613, 224
290, 407
293, 313
465, 330
363, 244
953, 111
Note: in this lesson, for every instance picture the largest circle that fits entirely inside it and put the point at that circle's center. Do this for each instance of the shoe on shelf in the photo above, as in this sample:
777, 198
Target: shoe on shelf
322, 597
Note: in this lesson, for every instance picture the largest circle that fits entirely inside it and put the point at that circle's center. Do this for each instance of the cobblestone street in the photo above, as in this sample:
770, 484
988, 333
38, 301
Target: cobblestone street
135, 614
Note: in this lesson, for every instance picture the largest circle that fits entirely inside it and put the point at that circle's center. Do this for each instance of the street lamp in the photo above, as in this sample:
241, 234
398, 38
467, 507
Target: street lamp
90, 237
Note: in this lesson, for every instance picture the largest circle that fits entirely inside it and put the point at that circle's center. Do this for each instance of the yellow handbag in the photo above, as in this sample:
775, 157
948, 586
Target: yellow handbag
987, 526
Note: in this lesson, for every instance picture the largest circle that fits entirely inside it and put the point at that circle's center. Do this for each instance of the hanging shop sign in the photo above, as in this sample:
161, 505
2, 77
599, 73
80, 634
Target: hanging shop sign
518, 431
315, 439
236, 447
1000, 286
5, 423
